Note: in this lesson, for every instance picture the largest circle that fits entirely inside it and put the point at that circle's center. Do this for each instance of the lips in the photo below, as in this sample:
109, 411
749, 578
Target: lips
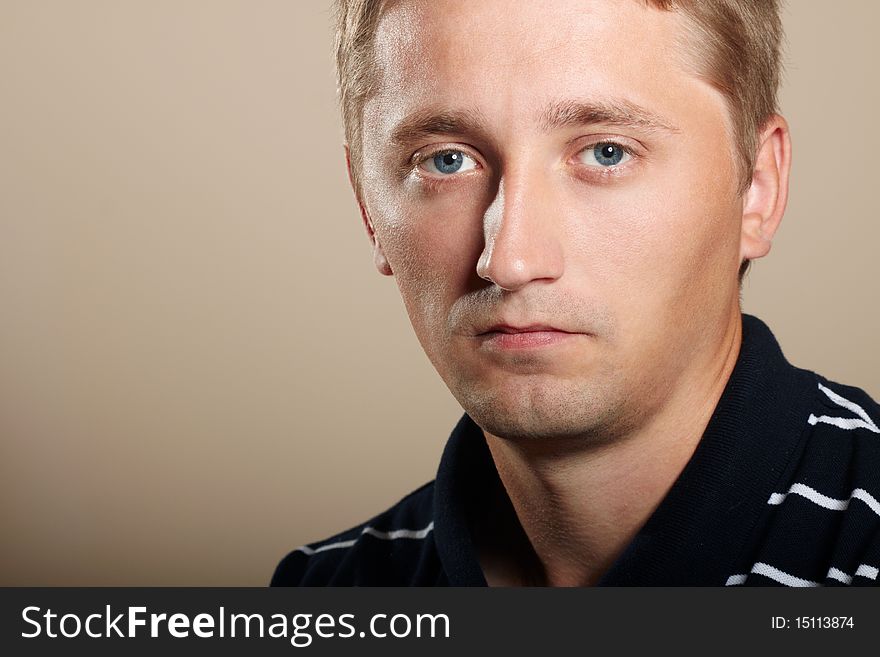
531, 328
507, 338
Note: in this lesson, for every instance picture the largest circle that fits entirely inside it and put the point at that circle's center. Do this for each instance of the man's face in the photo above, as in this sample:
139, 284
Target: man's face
552, 164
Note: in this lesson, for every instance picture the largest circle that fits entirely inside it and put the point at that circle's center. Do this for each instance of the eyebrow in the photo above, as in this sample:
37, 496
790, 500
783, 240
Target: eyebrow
616, 112
427, 123
560, 114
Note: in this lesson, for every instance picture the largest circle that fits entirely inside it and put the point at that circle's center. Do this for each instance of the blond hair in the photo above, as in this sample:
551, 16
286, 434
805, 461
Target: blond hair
736, 49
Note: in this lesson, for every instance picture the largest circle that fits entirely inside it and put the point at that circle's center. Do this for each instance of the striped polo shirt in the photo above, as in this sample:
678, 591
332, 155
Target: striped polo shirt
782, 490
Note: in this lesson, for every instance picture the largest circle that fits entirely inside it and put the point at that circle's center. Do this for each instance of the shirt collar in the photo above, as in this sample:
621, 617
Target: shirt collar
702, 525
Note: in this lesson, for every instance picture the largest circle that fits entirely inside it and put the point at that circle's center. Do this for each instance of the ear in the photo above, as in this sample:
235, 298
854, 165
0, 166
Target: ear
379, 258
764, 201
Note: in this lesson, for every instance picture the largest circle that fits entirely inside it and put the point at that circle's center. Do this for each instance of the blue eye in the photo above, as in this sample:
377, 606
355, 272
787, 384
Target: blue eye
605, 154
449, 162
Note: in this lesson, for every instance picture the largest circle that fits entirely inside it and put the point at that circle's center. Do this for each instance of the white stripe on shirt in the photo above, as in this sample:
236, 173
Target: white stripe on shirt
845, 422
388, 536
864, 570
780, 576
824, 501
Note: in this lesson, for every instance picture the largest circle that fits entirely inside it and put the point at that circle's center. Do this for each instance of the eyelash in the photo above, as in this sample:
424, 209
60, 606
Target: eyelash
419, 159
613, 170
604, 172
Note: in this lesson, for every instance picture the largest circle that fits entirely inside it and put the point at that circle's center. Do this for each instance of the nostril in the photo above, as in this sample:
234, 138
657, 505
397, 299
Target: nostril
483, 264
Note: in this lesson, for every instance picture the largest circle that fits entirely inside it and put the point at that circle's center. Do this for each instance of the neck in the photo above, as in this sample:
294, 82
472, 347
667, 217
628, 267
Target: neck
564, 516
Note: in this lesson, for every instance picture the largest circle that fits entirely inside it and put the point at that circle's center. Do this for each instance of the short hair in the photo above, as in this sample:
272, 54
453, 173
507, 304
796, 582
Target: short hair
736, 49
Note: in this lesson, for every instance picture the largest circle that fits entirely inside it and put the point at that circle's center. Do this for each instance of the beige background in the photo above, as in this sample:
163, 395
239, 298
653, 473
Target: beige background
200, 368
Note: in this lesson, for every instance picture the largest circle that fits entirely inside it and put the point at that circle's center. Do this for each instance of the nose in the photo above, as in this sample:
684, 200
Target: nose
522, 233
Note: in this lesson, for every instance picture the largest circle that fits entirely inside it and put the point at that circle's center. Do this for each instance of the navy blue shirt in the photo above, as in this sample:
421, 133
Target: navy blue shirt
782, 489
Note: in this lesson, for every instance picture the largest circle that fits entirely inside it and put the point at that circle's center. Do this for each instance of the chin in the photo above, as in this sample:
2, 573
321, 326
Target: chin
540, 412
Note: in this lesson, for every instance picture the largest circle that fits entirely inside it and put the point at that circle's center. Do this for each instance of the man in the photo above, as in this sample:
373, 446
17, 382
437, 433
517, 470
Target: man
568, 195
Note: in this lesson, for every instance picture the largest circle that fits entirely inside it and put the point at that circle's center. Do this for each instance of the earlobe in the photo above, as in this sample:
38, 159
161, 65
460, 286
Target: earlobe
379, 258
765, 200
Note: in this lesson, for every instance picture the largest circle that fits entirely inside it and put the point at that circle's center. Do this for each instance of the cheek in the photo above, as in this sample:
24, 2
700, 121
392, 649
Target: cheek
704, 221
432, 242
660, 251
435, 235
615, 238
670, 230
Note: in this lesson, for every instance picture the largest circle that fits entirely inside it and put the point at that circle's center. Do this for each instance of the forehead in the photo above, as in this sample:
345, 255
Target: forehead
513, 57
